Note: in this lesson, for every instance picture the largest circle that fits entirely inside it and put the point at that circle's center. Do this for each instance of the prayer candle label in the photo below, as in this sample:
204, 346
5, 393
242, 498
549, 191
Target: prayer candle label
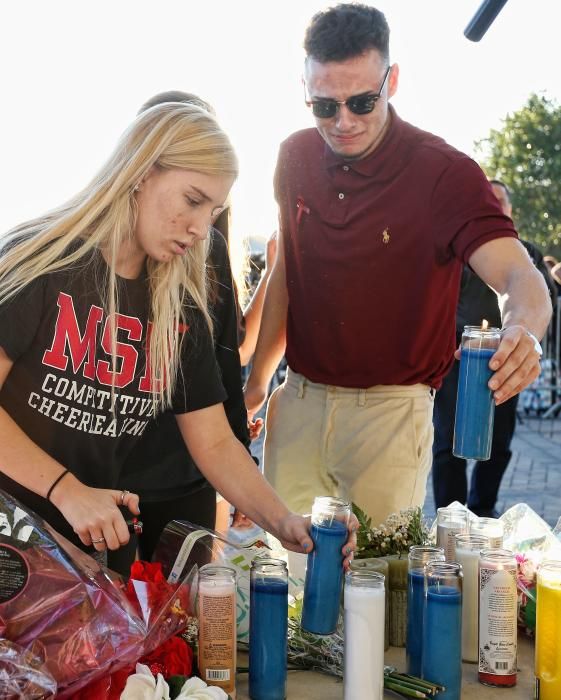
217, 637
497, 622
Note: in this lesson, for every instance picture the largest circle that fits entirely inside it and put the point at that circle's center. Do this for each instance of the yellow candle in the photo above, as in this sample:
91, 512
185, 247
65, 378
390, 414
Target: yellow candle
548, 631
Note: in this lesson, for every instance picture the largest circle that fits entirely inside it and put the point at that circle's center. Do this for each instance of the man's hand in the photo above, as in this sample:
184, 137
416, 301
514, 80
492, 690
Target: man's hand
516, 364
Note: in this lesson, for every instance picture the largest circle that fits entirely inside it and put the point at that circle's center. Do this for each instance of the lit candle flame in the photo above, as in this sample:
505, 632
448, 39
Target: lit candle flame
484, 324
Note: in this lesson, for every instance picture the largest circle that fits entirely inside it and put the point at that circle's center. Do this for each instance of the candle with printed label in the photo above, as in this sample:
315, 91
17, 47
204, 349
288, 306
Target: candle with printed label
492, 528
498, 601
475, 407
468, 550
217, 626
324, 570
449, 523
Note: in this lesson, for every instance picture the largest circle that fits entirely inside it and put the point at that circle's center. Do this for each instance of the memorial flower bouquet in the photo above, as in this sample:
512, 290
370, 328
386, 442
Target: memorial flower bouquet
394, 536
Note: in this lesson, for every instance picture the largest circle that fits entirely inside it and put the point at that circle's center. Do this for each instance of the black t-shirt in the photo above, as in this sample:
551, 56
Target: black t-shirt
59, 390
159, 467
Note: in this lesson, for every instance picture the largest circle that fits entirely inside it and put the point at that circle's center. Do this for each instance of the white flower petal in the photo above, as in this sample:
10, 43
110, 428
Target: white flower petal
142, 686
196, 689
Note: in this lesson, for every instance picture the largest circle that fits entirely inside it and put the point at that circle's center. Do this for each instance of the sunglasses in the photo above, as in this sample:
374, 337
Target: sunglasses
326, 107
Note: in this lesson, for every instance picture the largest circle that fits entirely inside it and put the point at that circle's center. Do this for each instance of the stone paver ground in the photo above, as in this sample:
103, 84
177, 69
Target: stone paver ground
534, 473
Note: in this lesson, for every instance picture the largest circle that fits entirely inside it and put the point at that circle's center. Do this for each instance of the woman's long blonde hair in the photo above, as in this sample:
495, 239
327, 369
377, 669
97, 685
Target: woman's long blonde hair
103, 216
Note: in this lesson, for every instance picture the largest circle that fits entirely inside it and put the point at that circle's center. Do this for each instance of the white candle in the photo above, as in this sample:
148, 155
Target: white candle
491, 528
364, 635
468, 548
450, 522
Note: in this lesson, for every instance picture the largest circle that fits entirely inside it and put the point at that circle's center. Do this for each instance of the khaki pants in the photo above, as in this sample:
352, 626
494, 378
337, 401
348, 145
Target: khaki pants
371, 446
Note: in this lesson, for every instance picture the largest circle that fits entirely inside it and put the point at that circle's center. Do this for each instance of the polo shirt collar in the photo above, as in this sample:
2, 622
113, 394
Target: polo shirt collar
381, 158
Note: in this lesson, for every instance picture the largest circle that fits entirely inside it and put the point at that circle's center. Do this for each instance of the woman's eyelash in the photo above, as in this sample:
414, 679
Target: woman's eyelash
192, 202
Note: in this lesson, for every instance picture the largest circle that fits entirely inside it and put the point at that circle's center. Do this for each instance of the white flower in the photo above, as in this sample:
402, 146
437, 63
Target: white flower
197, 689
143, 686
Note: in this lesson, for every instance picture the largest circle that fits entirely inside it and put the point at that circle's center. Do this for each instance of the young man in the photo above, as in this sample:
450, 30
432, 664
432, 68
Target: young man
377, 219
449, 479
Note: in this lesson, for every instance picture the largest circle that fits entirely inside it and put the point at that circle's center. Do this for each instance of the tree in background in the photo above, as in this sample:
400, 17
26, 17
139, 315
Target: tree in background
526, 155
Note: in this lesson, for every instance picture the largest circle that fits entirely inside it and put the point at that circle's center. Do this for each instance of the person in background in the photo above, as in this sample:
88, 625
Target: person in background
97, 336
159, 468
377, 219
477, 302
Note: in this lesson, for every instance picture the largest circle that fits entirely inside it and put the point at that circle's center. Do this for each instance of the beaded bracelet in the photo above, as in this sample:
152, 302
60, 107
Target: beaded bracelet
55, 482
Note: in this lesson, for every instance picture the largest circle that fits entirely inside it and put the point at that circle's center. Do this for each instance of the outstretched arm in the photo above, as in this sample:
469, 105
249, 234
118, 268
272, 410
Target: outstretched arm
229, 468
525, 305
271, 342
253, 312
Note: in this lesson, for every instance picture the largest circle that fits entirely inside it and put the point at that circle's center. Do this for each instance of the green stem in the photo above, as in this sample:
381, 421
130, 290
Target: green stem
404, 691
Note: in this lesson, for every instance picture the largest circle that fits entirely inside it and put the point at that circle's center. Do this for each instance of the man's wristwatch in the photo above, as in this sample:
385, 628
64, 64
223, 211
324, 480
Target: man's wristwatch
537, 346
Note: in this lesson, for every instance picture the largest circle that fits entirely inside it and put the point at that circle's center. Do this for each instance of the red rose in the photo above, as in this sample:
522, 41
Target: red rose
172, 658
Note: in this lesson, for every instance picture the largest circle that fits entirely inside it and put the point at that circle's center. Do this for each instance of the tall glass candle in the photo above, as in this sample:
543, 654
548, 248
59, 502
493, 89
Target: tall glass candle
492, 528
498, 601
364, 635
475, 408
380, 566
468, 549
442, 628
548, 631
268, 629
217, 626
418, 557
449, 523
324, 571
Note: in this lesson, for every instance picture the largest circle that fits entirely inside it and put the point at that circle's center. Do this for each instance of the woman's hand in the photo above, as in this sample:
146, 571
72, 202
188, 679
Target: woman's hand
94, 513
294, 534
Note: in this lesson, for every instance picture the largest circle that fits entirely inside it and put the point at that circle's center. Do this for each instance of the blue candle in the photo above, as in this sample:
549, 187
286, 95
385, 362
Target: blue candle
324, 577
419, 556
442, 640
475, 408
268, 628
415, 604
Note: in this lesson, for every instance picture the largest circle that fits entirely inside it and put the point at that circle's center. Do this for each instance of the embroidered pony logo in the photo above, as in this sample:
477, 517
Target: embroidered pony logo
386, 236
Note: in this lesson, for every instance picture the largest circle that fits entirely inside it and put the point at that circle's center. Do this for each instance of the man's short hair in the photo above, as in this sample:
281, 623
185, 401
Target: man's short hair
500, 183
345, 31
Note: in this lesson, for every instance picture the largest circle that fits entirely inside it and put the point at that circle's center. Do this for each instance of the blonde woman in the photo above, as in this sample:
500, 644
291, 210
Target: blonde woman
94, 340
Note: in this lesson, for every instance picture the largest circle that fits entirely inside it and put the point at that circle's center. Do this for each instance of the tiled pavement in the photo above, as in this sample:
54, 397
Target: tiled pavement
533, 475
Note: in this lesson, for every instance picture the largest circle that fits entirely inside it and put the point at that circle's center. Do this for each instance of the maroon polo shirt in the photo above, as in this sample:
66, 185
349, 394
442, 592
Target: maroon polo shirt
374, 250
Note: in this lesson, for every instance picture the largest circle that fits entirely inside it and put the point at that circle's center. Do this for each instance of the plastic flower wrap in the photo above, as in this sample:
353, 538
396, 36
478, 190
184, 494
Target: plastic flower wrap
184, 547
532, 540
69, 611
22, 675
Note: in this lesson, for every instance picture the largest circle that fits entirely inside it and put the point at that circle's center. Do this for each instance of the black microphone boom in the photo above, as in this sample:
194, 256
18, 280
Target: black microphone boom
483, 19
